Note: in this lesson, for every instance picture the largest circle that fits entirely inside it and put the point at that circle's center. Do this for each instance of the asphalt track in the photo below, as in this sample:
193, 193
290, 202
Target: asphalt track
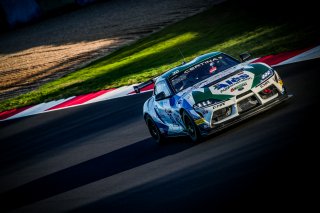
100, 158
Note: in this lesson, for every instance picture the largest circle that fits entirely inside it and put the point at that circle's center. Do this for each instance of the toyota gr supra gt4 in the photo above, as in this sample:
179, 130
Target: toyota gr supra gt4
209, 93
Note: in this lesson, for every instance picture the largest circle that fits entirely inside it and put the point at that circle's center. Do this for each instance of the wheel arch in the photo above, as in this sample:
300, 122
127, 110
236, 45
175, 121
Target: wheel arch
181, 111
145, 115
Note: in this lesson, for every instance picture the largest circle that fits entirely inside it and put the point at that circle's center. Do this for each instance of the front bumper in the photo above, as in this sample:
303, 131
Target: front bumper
245, 115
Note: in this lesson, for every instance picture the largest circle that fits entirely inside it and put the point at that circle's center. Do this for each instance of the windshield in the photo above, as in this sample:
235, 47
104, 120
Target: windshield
201, 71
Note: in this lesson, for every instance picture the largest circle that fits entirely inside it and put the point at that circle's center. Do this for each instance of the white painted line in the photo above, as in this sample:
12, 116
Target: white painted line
40, 108
308, 55
120, 92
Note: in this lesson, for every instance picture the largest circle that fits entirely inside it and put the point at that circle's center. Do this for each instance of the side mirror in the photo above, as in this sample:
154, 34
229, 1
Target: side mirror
160, 96
136, 89
244, 56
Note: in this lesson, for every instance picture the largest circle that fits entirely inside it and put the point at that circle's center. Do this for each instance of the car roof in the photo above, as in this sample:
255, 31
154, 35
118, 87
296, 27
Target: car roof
185, 66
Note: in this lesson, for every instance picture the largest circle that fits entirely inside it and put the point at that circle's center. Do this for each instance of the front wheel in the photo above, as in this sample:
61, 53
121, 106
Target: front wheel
154, 130
191, 127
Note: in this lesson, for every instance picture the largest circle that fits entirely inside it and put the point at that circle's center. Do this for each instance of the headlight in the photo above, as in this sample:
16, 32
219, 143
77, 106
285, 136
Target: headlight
205, 103
267, 75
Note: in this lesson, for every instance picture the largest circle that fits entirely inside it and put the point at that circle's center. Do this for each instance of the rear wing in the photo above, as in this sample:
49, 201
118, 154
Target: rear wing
138, 88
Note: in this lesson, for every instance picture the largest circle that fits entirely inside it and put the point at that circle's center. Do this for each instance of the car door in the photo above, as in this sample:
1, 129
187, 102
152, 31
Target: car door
163, 108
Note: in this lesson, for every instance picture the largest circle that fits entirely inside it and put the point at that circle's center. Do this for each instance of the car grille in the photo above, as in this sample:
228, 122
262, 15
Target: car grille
247, 104
221, 114
243, 94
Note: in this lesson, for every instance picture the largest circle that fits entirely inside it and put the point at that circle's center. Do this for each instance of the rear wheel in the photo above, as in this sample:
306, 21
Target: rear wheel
191, 127
154, 130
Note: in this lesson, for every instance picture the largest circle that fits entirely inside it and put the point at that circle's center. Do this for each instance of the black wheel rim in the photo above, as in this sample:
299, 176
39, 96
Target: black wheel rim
153, 130
190, 127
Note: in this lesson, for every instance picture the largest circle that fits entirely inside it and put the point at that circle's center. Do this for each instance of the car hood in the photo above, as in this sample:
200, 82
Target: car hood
227, 84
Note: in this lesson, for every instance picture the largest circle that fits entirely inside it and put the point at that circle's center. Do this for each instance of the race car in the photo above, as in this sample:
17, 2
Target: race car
209, 93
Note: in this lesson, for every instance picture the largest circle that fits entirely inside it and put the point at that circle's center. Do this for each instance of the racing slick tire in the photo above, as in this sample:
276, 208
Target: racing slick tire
191, 127
154, 130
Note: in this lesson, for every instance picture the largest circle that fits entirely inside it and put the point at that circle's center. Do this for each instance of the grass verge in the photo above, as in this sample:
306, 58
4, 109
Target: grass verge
229, 27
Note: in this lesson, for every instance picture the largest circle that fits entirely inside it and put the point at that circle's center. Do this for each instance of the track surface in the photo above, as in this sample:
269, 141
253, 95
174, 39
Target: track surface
100, 157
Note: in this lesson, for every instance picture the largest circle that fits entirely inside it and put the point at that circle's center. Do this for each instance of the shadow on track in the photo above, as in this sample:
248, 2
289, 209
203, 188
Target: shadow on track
50, 131
126, 158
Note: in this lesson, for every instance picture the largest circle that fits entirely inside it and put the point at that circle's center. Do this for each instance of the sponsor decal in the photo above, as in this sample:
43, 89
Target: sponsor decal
209, 61
264, 84
218, 105
199, 121
212, 69
239, 87
225, 85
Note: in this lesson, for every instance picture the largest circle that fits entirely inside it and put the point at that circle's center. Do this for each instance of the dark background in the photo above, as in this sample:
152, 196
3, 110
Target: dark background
17, 13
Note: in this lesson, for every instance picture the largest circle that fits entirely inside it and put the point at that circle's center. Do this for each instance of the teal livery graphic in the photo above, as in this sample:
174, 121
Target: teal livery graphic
209, 93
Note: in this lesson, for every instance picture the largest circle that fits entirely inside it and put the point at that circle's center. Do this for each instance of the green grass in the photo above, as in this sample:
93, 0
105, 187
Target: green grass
226, 27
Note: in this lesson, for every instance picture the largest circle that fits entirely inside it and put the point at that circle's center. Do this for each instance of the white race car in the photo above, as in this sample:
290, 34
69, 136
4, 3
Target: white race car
209, 93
